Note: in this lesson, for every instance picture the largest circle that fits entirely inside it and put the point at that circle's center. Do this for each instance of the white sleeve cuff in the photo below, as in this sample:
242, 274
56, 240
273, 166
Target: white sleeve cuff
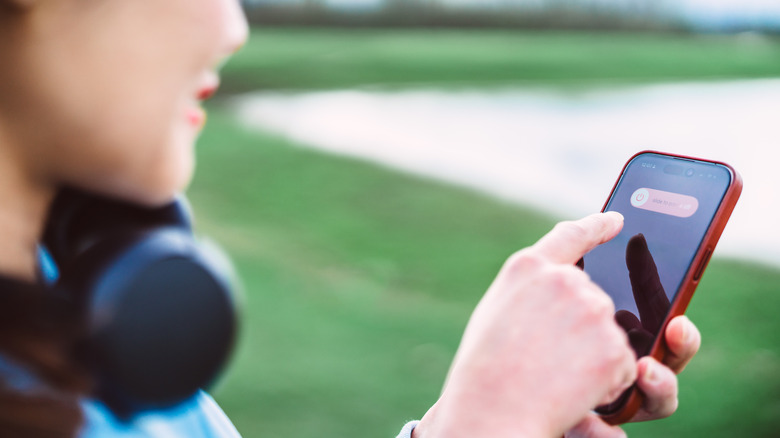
406, 432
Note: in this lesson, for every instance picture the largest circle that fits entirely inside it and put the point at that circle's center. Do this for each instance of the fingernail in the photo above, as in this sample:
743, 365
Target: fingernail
687, 333
652, 374
617, 217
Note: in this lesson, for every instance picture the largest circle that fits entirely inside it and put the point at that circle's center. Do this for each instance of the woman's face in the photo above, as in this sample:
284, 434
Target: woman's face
106, 93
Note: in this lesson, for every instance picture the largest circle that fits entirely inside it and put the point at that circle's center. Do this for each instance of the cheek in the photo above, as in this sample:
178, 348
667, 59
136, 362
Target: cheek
154, 158
140, 151
116, 116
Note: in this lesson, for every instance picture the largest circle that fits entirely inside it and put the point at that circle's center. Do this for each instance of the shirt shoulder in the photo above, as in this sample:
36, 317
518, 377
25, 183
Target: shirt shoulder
199, 417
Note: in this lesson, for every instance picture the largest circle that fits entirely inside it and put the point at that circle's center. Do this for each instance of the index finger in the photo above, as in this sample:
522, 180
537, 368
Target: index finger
569, 241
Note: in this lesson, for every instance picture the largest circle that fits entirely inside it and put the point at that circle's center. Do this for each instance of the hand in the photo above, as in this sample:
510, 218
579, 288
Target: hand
657, 381
542, 347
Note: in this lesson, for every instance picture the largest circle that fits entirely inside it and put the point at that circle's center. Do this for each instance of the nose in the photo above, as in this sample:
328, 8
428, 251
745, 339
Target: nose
236, 27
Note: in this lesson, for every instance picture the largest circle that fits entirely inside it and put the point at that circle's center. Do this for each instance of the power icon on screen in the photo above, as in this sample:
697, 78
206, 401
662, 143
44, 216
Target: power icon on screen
639, 197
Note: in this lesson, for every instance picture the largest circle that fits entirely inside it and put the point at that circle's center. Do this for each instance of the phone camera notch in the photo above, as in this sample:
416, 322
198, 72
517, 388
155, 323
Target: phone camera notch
673, 169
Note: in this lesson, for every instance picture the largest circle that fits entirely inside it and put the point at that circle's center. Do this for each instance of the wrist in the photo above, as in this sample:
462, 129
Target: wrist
478, 422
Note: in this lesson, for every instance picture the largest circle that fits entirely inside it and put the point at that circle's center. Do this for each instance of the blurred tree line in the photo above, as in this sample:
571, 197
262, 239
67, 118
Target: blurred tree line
648, 15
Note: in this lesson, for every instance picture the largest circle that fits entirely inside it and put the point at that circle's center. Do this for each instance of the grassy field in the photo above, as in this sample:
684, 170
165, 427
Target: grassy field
310, 59
359, 280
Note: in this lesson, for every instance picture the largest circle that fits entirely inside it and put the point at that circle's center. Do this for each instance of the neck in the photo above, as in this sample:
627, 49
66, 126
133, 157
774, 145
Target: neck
24, 203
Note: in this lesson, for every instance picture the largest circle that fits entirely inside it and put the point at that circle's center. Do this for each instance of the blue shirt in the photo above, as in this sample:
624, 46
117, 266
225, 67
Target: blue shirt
198, 417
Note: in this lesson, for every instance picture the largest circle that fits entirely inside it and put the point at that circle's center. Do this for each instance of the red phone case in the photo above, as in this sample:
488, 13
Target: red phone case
691, 279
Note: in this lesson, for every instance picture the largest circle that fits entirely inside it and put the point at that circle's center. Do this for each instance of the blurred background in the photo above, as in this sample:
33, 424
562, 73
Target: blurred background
370, 164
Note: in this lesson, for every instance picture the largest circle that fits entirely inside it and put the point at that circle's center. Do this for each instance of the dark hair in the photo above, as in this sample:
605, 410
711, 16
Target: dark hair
38, 333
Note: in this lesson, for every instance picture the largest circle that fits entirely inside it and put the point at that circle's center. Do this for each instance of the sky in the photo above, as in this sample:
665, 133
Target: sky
711, 13
702, 13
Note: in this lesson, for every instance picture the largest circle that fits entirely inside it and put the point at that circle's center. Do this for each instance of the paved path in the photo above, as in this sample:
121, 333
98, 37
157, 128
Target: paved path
557, 151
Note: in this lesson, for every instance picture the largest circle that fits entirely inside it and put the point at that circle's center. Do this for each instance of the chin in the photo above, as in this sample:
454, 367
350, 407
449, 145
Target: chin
170, 177
155, 188
164, 191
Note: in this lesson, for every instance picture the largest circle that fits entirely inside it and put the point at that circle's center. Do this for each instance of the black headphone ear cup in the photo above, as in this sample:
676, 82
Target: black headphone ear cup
157, 307
161, 322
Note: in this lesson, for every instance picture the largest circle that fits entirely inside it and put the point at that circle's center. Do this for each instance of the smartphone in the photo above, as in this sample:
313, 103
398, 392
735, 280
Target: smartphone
675, 209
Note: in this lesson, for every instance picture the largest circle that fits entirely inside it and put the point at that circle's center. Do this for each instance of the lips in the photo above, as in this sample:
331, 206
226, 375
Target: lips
206, 92
208, 87
196, 115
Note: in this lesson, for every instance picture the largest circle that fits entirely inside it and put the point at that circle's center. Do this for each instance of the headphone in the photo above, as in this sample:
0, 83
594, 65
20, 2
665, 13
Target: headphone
156, 305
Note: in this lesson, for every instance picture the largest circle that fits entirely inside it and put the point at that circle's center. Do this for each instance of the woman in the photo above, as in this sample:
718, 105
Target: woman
104, 95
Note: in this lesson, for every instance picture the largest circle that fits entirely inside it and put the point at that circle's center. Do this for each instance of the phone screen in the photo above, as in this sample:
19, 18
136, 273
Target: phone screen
668, 204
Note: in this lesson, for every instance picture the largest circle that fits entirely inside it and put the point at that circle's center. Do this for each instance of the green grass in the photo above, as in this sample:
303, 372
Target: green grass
329, 58
359, 282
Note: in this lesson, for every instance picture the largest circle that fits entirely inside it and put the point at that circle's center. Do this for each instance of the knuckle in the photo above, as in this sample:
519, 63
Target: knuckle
522, 262
562, 280
597, 305
619, 350
581, 230
614, 354
570, 229
603, 305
